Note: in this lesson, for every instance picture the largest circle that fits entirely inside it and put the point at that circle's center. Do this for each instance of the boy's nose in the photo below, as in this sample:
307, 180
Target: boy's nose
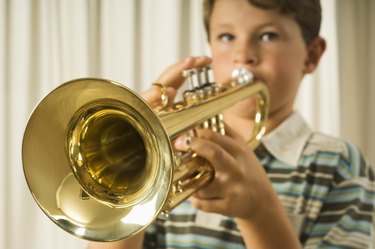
245, 55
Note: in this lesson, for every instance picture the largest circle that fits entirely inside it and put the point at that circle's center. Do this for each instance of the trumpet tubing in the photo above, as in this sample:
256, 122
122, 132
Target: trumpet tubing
99, 161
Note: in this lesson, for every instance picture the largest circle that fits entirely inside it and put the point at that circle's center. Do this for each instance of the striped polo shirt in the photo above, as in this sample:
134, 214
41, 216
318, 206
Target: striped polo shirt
325, 185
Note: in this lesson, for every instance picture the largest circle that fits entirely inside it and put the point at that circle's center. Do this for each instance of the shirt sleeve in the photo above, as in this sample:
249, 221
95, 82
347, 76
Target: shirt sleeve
346, 217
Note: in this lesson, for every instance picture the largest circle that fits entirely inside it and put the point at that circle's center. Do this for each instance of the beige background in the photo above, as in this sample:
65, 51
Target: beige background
46, 42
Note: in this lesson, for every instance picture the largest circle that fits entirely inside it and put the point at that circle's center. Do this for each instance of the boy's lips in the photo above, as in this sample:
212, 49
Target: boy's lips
242, 75
230, 79
255, 76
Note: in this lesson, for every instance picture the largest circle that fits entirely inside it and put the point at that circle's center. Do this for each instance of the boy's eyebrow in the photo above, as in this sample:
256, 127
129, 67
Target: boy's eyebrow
259, 26
223, 25
273, 24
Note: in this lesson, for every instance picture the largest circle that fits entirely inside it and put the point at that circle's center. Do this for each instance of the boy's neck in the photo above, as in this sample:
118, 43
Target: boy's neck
276, 118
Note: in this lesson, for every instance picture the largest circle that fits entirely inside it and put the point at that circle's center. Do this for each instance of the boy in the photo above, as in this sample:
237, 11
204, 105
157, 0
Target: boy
298, 188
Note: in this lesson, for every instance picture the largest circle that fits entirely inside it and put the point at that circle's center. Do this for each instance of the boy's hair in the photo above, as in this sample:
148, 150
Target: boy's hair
307, 13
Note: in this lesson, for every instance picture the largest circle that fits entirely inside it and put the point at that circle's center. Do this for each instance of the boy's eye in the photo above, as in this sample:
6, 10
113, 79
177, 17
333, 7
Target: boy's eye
226, 37
269, 36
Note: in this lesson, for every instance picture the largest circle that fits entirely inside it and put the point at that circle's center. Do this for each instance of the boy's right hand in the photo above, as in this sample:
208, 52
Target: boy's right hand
172, 79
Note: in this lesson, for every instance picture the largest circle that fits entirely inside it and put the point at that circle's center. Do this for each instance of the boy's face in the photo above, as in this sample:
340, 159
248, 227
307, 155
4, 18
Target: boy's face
266, 42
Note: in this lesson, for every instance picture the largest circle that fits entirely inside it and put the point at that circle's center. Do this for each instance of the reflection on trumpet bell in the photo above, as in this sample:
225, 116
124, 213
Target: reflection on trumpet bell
81, 210
109, 155
99, 161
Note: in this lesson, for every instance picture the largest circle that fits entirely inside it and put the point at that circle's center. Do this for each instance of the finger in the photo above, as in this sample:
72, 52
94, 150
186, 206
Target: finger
201, 61
183, 142
214, 205
207, 144
172, 76
213, 152
212, 145
213, 190
153, 95
232, 142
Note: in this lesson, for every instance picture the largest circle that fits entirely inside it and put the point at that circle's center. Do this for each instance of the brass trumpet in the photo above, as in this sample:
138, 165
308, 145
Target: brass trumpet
98, 159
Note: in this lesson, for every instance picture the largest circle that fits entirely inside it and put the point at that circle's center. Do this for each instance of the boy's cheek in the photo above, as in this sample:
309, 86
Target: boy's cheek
222, 69
221, 75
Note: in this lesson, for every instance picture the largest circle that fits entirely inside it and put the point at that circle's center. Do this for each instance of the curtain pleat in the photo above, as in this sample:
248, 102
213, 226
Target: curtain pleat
357, 74
44, 43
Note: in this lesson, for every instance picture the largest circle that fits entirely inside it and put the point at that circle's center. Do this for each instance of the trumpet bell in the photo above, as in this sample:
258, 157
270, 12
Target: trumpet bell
97, 159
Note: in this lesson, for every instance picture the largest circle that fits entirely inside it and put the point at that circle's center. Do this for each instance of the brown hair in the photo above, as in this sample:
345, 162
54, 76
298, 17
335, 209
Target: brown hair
307, 13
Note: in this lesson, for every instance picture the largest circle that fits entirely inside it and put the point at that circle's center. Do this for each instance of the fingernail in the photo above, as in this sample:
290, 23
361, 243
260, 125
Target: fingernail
179, 143
188, 59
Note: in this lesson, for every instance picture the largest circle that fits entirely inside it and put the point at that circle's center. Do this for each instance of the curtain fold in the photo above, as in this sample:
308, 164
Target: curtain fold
357, 75
3, 169
44, 43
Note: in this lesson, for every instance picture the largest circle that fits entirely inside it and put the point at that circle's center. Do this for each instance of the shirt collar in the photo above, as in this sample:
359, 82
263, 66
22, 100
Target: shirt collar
287, 141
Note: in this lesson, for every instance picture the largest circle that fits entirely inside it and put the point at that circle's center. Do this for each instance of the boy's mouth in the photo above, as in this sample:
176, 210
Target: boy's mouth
242, 75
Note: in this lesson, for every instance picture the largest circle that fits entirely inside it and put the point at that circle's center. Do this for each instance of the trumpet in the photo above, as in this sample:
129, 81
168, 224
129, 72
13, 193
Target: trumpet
98, 158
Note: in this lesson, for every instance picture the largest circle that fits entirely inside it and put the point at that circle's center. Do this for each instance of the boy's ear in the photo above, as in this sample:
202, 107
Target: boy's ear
315, 50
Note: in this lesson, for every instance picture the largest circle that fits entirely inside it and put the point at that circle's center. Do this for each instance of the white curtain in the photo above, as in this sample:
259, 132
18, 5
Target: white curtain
44, 43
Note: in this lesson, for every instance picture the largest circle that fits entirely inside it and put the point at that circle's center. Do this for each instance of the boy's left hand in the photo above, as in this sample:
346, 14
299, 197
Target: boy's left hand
240, 185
